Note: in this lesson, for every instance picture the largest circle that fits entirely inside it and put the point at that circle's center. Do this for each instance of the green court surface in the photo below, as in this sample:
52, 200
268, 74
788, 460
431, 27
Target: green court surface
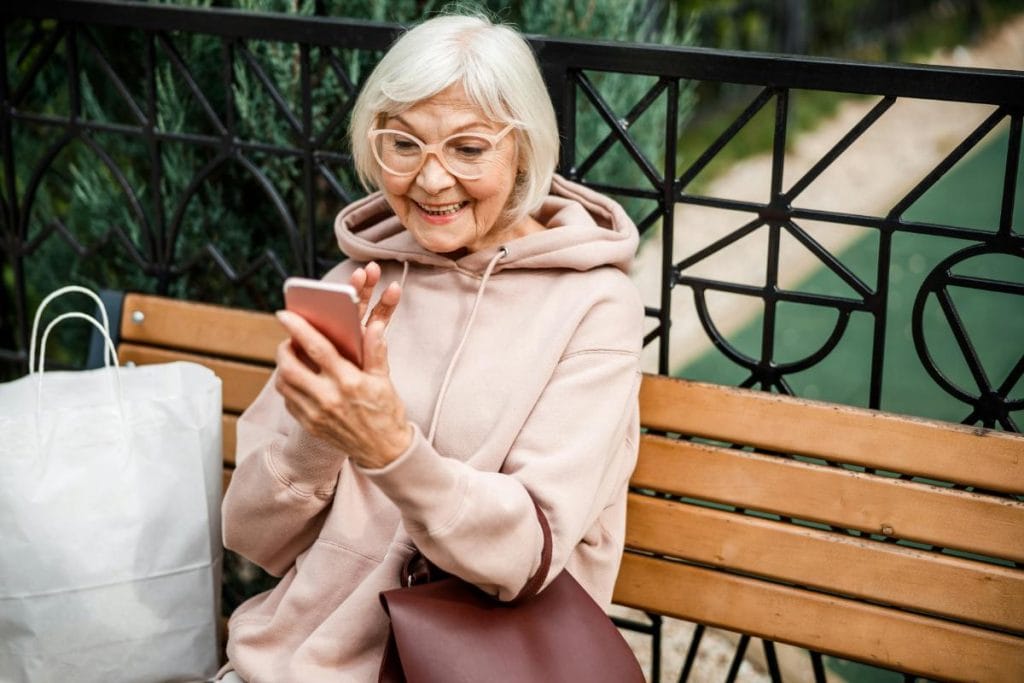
969, 195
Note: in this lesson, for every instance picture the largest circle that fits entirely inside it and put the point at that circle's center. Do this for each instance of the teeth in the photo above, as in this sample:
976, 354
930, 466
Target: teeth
442, 210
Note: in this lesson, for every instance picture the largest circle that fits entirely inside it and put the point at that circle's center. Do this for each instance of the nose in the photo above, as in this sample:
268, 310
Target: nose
433, 177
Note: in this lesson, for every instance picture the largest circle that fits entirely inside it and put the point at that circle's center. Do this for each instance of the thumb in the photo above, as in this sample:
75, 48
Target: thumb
375, 350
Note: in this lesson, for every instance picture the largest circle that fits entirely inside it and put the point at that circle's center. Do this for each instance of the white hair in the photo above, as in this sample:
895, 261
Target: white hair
499, 73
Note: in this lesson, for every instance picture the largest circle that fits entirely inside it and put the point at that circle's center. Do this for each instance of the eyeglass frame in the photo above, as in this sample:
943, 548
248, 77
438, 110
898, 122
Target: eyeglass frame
436, 149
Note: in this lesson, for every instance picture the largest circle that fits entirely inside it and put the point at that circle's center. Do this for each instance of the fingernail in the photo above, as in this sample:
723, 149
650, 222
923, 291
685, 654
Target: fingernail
283, 316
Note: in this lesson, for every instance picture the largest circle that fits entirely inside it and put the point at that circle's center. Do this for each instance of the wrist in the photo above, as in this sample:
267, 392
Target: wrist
394, 445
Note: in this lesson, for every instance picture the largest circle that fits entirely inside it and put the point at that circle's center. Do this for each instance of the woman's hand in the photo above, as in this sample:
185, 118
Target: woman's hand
356, 410
364, 281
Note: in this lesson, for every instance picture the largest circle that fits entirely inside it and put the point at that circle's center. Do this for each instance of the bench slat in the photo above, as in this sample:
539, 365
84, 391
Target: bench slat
927, 514
922, 645
205, 328
785, 424
242, 381
881, 572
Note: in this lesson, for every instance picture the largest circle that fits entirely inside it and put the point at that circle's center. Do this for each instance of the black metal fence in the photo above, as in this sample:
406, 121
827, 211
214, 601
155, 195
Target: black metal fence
165, 255
158, 239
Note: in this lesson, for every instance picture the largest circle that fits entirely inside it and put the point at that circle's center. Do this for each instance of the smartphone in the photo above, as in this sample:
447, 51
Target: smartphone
332, 308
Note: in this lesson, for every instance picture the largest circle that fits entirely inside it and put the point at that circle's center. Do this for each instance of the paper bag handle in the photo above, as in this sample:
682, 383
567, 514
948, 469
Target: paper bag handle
106, 340
118, 388
107, 360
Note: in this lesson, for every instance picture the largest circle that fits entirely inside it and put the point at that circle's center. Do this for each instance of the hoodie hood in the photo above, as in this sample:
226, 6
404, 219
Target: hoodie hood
585, 230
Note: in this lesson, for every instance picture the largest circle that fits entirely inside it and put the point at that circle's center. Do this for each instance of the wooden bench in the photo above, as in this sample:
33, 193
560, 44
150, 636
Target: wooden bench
763, 514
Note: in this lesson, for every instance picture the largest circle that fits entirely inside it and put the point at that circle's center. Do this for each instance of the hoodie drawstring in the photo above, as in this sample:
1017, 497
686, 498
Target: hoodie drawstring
502, 253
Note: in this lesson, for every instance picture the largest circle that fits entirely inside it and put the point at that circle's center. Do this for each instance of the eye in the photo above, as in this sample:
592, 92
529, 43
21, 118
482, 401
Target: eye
405, 146
468, 148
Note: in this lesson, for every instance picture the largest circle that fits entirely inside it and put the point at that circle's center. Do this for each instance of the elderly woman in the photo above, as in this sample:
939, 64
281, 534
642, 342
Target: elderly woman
508, 375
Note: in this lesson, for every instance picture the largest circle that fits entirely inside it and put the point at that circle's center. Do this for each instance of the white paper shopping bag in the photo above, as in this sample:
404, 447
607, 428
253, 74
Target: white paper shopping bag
110, 549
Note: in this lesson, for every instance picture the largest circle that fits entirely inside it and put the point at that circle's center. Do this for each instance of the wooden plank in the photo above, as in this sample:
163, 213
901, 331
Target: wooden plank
242, 381
880, 572
927, 448
229, 426
203, 328
874, 504
921, 645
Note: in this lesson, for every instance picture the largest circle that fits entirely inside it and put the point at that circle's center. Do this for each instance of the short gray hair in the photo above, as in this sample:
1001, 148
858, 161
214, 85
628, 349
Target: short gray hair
499, 73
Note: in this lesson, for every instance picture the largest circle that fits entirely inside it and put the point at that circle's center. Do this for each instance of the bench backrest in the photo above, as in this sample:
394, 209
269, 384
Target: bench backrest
814, 541
811, 540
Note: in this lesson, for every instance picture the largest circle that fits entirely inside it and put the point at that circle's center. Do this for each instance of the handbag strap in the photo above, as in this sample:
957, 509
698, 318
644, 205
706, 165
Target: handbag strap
419, 570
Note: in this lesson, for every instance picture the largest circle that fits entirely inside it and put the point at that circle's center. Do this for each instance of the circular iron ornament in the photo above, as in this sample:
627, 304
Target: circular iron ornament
991, 402
767, 372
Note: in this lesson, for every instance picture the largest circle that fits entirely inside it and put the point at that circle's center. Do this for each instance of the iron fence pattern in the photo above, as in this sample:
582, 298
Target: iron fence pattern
70, 38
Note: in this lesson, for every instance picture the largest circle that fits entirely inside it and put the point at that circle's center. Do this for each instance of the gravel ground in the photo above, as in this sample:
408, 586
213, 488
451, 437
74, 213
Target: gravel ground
911, 138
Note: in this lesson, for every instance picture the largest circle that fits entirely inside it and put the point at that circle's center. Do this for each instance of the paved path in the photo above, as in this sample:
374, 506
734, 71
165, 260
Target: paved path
911, 138
869, 178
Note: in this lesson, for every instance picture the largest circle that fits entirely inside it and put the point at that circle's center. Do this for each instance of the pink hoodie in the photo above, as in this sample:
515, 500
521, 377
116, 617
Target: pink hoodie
519, 369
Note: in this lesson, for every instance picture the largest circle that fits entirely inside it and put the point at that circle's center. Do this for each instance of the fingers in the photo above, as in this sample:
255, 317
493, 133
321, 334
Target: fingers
385, 308
319, 350
358, 282
292, 379
306, 393
364, 281
296, 375
375, 351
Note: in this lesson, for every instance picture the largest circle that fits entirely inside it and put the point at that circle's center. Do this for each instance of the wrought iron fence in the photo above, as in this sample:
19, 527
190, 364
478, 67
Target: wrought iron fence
165, 246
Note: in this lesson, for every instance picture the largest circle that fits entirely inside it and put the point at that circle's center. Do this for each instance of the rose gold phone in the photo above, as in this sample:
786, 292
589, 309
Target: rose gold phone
332, 308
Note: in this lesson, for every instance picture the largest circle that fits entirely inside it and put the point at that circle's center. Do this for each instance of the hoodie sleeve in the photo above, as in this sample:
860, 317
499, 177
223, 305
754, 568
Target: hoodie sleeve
284, 479
282, 486
573, 456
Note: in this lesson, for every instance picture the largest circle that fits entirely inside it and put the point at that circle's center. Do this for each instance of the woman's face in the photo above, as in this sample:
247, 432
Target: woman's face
443, 212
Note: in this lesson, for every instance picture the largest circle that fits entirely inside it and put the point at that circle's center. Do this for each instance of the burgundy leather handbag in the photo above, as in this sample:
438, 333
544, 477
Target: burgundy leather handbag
445, 630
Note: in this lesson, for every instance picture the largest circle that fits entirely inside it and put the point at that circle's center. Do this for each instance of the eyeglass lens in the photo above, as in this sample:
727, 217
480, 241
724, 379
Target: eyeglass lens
464, 155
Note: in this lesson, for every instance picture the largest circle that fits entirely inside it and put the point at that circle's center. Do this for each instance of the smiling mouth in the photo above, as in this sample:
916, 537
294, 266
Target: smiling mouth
442, 209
